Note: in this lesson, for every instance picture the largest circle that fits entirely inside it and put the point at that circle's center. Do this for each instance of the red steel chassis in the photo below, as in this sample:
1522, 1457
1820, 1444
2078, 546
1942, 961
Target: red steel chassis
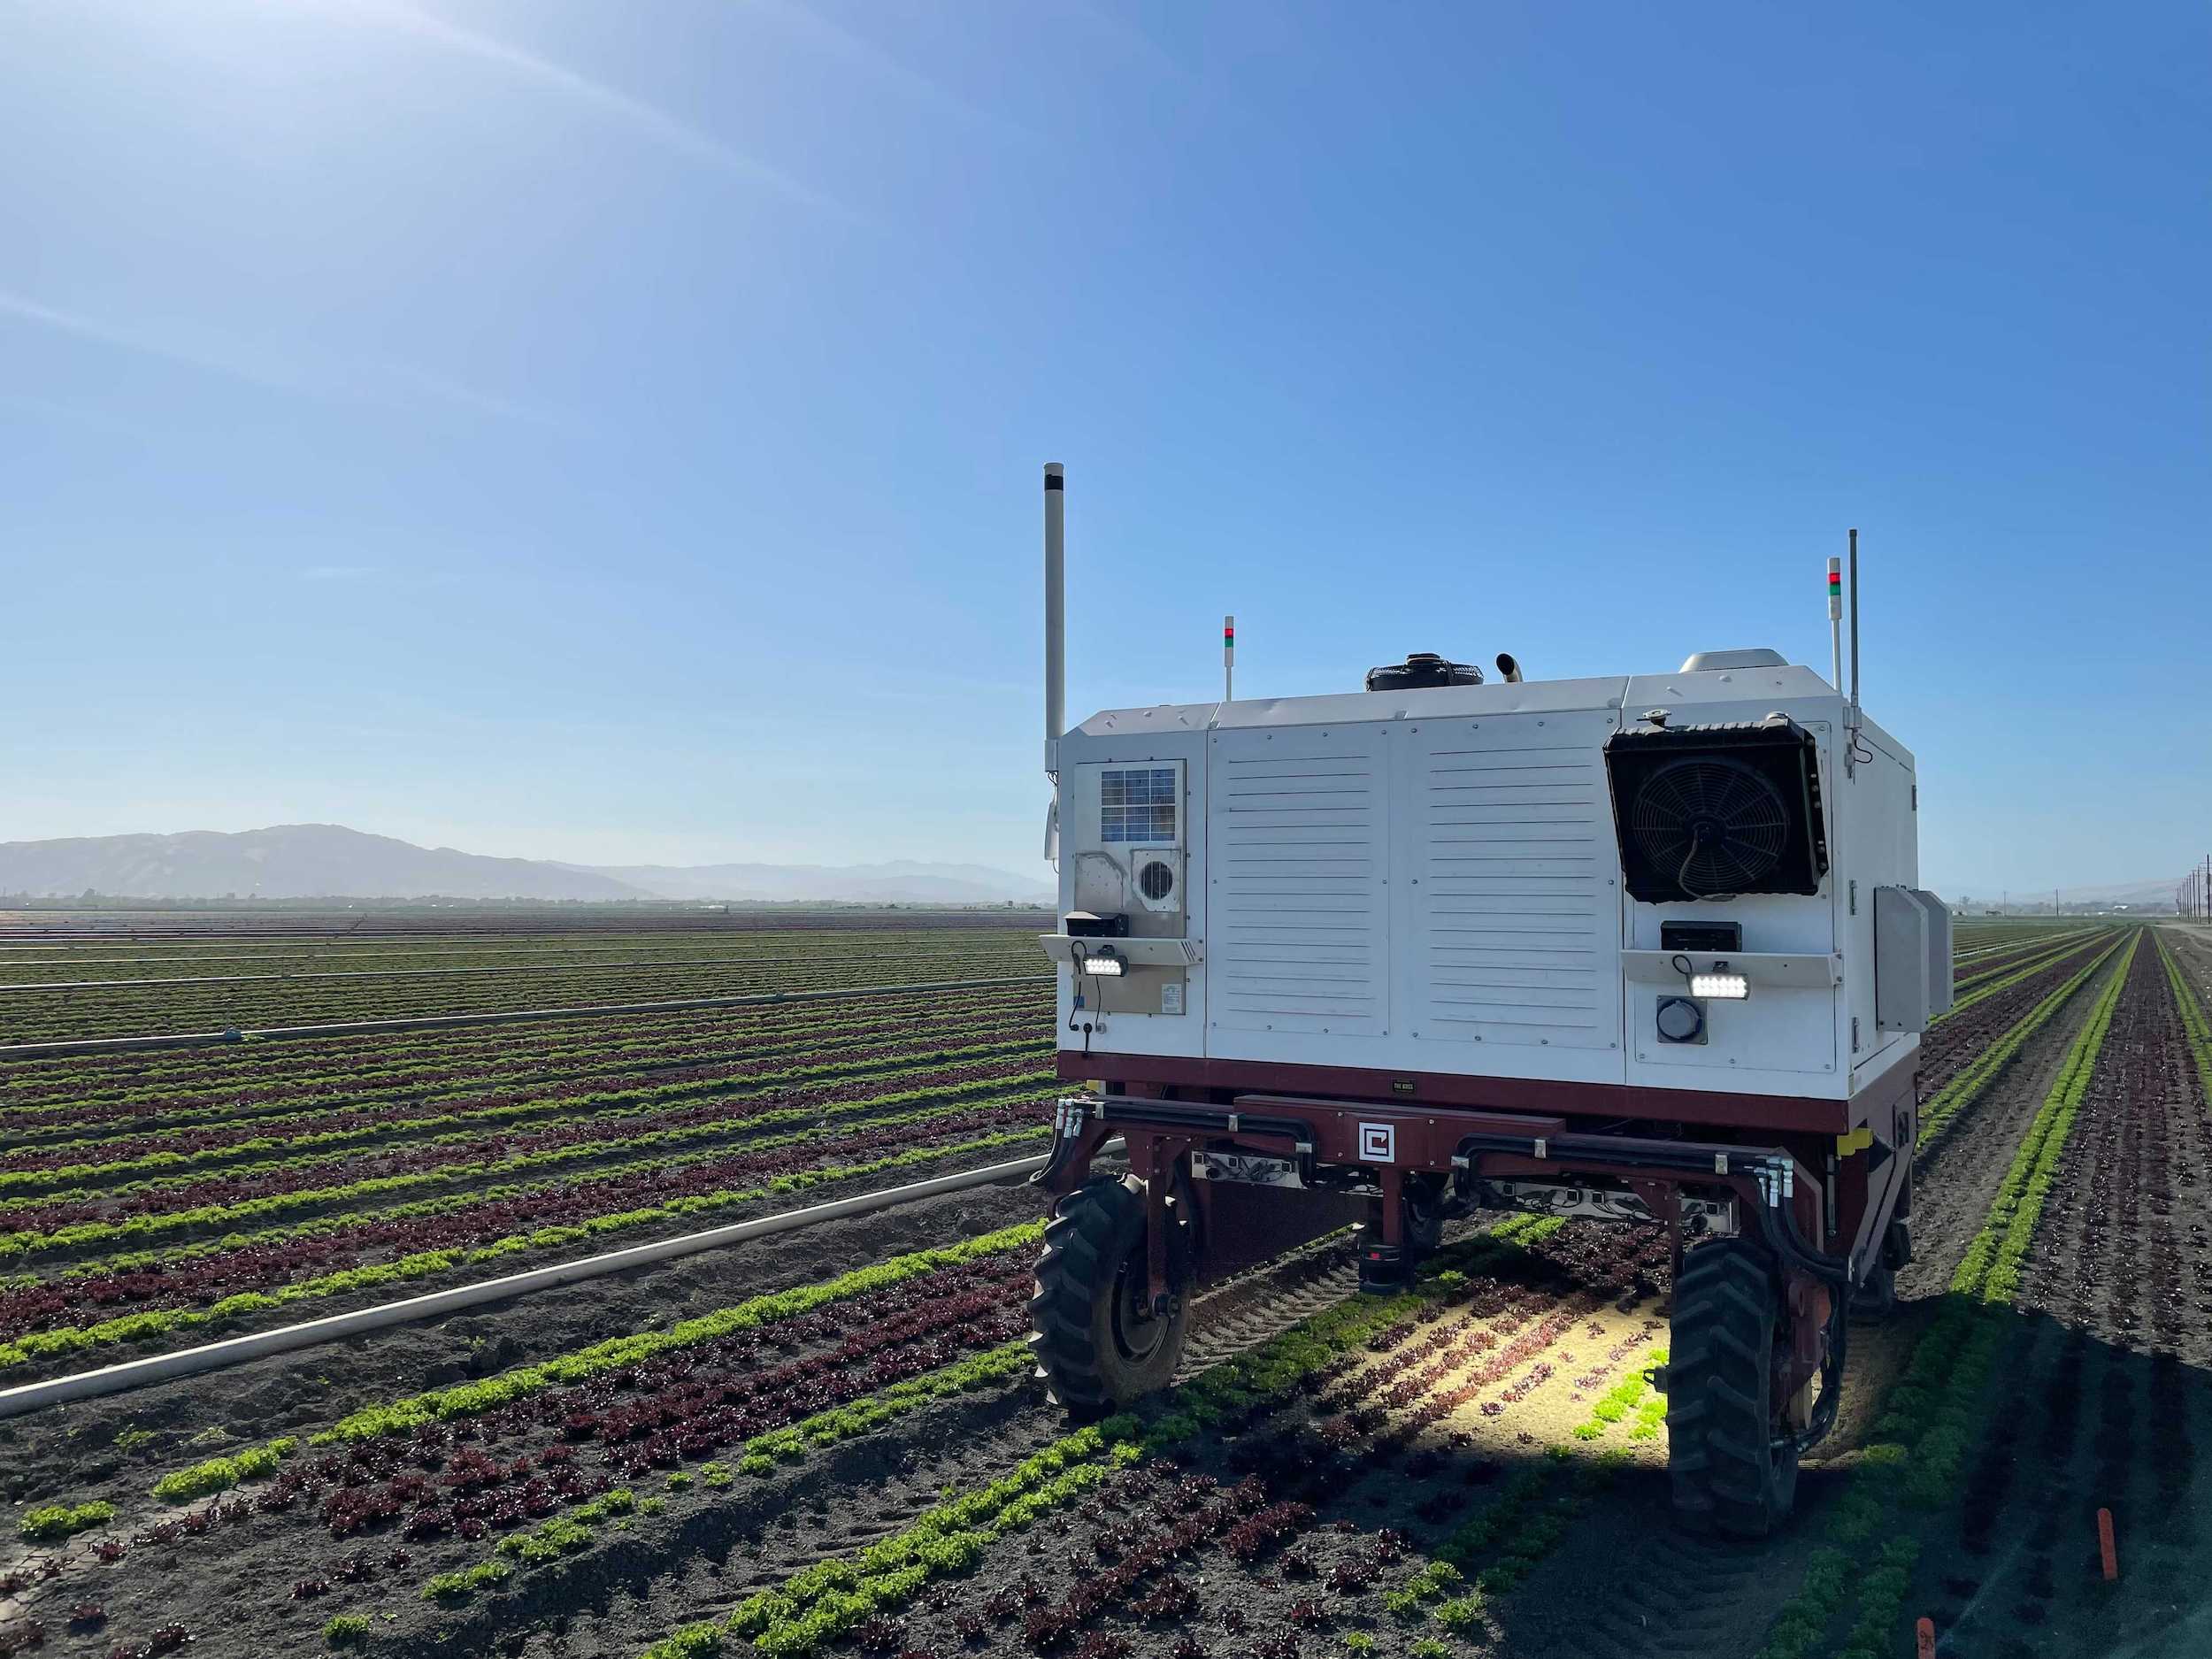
1823, 1179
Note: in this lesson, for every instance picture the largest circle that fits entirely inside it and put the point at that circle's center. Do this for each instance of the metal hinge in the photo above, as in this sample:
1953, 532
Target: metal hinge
1854, 1033
1915, 797
1855, 898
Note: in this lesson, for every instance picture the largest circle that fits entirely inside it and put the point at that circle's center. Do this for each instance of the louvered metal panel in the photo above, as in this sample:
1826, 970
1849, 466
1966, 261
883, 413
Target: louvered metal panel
1515, 927
1298, 842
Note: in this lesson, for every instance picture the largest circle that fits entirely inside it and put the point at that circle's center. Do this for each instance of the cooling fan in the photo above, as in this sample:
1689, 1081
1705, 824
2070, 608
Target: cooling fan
1719, 824
1710, 811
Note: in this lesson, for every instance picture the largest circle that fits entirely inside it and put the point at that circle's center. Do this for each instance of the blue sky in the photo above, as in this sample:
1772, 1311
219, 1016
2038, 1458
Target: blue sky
612, 432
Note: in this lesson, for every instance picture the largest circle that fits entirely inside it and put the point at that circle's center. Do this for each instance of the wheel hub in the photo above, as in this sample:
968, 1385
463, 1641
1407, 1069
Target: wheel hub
1137, 1333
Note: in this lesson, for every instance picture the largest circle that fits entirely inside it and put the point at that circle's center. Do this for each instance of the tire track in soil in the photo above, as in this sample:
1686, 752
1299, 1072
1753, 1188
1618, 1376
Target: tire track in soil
1676, 1595
1262, 1304
2106, 1399
1718, 1579
982, 1438
1647, 1612
1249, 1312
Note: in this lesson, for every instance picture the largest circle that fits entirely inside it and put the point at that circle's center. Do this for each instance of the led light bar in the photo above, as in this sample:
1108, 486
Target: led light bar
1104, 965
1727, 987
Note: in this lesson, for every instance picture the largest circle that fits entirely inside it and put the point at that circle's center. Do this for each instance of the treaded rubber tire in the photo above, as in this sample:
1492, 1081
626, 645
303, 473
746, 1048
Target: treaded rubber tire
1727, 1475
1092, 1353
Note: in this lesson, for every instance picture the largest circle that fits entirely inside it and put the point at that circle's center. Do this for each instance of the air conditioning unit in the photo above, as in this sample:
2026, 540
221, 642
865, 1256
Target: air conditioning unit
1156, 878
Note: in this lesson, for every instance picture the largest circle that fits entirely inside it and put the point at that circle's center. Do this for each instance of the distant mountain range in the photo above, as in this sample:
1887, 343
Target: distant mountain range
311, 861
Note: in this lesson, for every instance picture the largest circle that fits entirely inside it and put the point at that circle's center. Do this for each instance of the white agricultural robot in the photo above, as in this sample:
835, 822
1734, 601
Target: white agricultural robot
1644, 948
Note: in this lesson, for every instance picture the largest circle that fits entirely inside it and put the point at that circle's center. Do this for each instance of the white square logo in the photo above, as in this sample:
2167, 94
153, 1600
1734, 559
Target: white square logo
1378, 1144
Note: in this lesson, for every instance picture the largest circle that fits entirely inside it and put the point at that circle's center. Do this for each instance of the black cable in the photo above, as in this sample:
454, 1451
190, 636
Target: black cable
1682, 878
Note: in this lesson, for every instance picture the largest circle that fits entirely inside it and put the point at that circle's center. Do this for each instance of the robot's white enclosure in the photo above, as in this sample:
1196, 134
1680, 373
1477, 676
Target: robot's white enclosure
1511, 880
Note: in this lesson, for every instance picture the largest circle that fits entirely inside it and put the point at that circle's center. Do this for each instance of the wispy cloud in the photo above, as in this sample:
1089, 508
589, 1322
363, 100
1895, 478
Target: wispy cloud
238, 364
293, 370
647, 120
404, 376
841, 41
50, 410
1134, 40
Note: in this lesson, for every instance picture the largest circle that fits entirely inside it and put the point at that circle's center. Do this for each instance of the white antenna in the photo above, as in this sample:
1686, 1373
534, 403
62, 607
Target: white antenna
1056, 612
1854, 631
1852, 718
1228, 659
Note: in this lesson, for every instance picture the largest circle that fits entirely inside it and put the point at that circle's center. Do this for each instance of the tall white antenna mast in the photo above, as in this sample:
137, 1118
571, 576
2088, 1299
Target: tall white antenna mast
1056, 612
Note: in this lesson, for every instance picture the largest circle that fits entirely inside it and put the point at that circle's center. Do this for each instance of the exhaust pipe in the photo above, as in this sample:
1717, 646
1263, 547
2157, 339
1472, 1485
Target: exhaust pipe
1511, 669
1056, 613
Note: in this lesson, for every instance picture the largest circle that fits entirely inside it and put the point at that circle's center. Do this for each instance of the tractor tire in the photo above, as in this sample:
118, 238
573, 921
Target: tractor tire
1386, 1269
1874, 1299
1731, 1473
1095, 1346
1424, 1218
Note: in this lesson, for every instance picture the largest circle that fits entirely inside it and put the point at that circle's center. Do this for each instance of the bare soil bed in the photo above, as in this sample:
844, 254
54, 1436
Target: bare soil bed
2104, 1391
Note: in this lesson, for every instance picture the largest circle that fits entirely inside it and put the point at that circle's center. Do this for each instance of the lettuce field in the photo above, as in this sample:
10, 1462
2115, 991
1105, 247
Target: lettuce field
830, 1441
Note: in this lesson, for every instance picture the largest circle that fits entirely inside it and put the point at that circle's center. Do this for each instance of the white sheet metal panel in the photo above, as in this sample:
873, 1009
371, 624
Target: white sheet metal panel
1374, 888
1784, 1040
1298, 847
1511, 907
1162, 737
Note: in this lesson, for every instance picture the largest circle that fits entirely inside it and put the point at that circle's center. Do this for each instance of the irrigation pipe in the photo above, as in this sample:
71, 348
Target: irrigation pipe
445, 1022
109, 1380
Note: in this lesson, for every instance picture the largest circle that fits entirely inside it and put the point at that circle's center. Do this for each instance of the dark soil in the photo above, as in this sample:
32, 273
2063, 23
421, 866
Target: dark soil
2106, 1400
674, 1226
2104, 1394
69, 1451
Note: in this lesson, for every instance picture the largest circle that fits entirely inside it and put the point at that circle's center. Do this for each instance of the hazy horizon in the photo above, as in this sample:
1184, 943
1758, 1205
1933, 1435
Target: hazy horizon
1954, 890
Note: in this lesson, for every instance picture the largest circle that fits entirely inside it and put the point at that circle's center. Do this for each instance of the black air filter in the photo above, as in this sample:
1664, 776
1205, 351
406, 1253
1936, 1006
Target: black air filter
1710, 812
1422, 669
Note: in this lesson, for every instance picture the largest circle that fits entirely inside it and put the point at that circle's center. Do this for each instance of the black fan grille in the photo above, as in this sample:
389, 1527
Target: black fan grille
1714, 824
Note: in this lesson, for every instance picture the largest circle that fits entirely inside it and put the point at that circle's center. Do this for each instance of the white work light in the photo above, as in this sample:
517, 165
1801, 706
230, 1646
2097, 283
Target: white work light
1727, 987
1104, 965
